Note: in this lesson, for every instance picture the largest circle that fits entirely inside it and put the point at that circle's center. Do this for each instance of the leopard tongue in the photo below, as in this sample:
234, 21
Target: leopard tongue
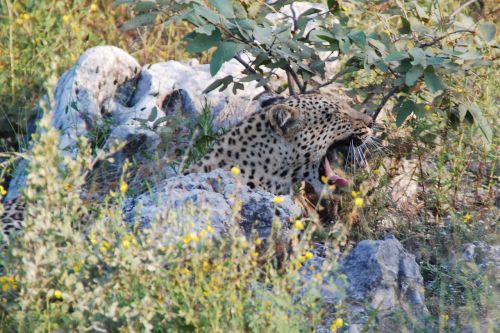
330, 175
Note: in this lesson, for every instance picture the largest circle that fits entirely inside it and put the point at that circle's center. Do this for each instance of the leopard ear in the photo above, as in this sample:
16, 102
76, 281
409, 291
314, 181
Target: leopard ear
285, 120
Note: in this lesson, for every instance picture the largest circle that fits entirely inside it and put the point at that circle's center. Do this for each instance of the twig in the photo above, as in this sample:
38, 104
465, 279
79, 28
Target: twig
459, 9
335, 77
251, 70
384, 100
291, 91
294, 18
434, 41
289, 69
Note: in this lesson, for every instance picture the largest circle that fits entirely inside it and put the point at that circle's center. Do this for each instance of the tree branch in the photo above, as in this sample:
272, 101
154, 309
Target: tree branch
335, 77
251, 70
289, 70
459, 9
384, 100
435, 40
291, 91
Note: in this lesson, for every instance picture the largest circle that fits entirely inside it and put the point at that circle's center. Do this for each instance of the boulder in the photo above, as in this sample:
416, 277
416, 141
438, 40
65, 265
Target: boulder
381, 278
216, 198
153, 109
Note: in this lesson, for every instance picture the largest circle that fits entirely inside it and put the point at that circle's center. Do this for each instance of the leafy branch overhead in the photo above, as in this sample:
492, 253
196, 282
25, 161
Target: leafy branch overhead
414, 53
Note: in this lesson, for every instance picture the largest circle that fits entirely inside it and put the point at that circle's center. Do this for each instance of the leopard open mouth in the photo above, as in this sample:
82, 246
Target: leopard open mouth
327, 174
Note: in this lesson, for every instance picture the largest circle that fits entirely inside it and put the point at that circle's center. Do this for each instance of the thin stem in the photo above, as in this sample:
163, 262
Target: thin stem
384, 100
11, 51
434, 41
459, 9
289, 70
336, 76
291, 91
251, 70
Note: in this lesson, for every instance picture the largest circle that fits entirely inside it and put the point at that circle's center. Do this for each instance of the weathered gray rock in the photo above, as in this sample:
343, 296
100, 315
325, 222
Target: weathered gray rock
381, 276
152, 109
214, 198
486, 257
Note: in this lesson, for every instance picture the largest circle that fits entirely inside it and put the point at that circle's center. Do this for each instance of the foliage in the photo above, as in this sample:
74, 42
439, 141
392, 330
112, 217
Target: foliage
417, 51
60, 274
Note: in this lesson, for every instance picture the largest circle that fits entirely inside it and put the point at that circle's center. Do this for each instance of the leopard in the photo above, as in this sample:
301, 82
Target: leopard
287, 142
284, 143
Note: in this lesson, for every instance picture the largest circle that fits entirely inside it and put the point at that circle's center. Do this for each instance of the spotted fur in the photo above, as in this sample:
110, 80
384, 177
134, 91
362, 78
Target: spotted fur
286, 142
283, 144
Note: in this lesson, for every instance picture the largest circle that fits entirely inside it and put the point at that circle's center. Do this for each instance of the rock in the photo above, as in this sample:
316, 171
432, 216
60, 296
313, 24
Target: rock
381, 276
213, 198
486, 257
152, 109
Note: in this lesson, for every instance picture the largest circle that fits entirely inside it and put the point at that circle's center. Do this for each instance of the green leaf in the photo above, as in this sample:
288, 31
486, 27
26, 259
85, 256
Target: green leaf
202, 42
413, 75
237, 86
153, 114
139, 21
144, 6
224, 7
333, 5
405, 26
208, 14
358, 38
403, 111
224, 82
206, 29
432, 81
419, 57
224, 52
263, 35
487, 31
419, 110
396, 56
481, 122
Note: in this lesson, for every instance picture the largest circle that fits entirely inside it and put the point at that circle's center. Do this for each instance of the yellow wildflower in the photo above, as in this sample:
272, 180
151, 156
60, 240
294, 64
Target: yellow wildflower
126, 244
66, 18
58, 294
258, 241
467, 218
460, 90
93, 7
339, 322
358, 202
299, 225
235, 170
104, 247
206, 266
187, 239
354, 194
278, 199
254, 254
302, 259
309, 255
5, 288
203, 233
324, 179
3, 191
112, 193
298, 265
446, 317
75, 27
123, 186
210, 229
25, 17
427, 107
